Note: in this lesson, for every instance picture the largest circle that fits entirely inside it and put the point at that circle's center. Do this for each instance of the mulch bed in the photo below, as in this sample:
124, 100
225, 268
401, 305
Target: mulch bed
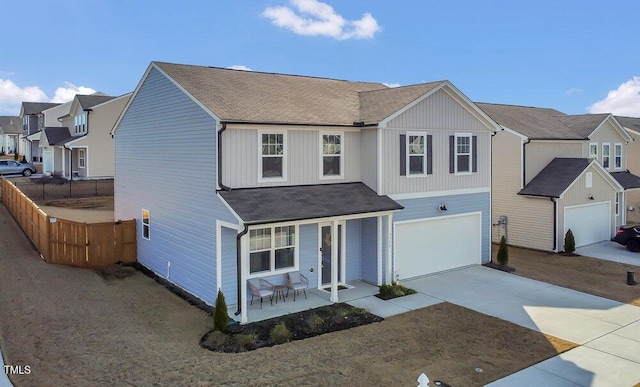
302, 325
497, 266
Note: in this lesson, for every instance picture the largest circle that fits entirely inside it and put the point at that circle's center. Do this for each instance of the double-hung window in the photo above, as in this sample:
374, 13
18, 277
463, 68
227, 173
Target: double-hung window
617, 156
80, 122
463, 153
272, 249
606, 155
332, 155
146, 226
593, 150
416, 152
82, 158
272, 156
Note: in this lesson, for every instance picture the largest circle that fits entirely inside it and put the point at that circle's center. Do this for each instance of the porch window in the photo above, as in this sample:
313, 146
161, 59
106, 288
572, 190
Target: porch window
146, 225
81, 158
416, 152
332, 157
463, 153
80, 122
272, 155
272, 249
617, 156
606, 155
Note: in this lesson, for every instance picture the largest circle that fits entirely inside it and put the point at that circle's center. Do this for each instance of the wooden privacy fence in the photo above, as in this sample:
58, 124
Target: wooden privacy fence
71, 243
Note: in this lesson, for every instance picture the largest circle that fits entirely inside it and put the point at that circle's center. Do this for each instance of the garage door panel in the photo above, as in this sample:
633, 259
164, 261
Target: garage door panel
589, 224
437, 244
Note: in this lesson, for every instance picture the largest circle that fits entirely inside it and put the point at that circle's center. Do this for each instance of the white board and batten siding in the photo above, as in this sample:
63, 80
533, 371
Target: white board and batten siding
165, 148
240, 152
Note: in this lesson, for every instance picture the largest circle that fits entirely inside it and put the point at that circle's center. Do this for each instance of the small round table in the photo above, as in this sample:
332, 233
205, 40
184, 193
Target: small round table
279, 292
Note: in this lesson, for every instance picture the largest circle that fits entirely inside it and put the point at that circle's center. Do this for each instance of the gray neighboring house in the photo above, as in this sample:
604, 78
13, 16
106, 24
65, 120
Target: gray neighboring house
33, 122
10, 130
632, 125
234, 175
553, 172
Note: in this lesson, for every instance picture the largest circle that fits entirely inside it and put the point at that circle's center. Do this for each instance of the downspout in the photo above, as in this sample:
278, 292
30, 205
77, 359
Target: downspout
238, 264
222, 129
555, 224
524, 163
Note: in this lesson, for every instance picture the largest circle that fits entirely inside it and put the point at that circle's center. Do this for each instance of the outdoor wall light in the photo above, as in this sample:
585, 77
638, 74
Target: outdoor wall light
442, 207
590, 197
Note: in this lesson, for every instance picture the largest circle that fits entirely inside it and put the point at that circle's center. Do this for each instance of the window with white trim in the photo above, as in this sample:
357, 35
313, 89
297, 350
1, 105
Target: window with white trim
593, 150
617, 203
272, 156
606, 155
463, 153
617, 156
82, 158
332, 155
272, 249
80, 123
416, 153
146, 226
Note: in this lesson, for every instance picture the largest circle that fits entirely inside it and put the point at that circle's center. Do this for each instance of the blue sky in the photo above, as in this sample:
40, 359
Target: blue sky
574, 56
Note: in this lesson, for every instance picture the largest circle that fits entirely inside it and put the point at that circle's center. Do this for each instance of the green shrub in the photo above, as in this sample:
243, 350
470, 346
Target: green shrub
355, 311
314, 322
503, 252
220, 314
394, 290
280, 334
217, 338
246, 340
569, 242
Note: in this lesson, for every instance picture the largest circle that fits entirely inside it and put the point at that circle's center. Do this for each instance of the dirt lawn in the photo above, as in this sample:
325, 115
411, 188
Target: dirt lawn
74, 327
85, 210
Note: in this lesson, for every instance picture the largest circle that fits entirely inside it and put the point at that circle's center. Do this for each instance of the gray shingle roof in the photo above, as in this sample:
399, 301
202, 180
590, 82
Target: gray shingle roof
89, 101
57, 135
632, 123
250, 96
36, 107
10, 125
556, 177
282, 204
583, 124
626, 179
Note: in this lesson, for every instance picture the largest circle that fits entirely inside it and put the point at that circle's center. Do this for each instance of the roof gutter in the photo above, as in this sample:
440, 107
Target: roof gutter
222, 186
238, 264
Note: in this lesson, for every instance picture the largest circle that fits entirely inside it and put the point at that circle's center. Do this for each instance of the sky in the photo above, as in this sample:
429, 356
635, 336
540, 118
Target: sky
576, 56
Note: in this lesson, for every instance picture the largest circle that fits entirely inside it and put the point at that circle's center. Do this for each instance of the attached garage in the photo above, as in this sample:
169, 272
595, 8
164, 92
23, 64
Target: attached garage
431, 245
590, 223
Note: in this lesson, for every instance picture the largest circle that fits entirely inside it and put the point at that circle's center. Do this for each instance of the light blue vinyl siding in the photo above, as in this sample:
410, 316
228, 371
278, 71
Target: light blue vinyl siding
229, 265
309, 251
165, 150
353, 263
369, 249
456, 204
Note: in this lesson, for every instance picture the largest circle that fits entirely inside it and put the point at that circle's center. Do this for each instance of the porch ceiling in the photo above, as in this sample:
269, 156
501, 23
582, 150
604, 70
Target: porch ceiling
282, 204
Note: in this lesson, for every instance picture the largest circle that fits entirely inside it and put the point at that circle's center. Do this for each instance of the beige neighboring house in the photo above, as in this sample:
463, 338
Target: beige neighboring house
632, 125
552, 172
10, 130
82, 146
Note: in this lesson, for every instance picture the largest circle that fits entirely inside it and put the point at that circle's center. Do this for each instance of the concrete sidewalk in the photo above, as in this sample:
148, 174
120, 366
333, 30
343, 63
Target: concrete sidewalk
4, 379
609, 331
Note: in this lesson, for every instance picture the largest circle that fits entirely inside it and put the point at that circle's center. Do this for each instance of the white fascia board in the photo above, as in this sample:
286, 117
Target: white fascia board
515, 133
76, 139
235, 214
433, 194
111, 100
133, 95
616, 125
602, 172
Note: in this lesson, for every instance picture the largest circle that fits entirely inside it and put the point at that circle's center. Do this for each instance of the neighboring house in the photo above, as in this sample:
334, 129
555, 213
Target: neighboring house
82, 146
632, 125
10, 130
33, 122
235, 175
553, 172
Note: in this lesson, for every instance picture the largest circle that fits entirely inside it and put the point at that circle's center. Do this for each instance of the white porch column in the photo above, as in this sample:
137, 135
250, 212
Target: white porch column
379, 241
64, 162
391, 260
243, 280
334, 261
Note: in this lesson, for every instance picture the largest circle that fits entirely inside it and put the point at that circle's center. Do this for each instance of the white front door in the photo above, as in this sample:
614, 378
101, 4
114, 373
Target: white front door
47, 161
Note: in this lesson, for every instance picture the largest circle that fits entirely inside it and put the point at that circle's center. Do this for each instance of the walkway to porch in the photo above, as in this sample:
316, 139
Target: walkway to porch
357, 291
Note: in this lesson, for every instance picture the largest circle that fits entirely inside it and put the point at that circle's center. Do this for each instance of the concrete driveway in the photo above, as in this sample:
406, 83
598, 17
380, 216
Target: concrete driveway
608, 331
610, 251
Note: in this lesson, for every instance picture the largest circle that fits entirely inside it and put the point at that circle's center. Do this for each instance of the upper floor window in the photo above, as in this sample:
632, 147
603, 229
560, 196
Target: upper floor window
80, 122
463, 153
25, 124
82, 158
332, 156
606, 155
272, 156
416, 152
40, 121
146, 227
593, 150
617, 156
272, 249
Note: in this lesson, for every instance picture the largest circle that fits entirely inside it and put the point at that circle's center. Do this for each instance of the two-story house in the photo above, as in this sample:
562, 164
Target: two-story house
80, 145
235, 175
553, 172
10, 130
632, 125
33, 122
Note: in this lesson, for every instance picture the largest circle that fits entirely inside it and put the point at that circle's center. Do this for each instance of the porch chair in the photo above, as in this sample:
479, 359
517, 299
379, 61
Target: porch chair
261, 288
296, 282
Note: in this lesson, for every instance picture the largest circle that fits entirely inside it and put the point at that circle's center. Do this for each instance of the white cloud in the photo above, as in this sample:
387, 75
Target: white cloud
391, 84
573, 90
240, 67
66, 94
12, 95
318, 18
624, 101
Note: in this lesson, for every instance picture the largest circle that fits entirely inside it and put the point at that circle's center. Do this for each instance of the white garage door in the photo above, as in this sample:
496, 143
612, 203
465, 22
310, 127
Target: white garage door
432, 245
589, 223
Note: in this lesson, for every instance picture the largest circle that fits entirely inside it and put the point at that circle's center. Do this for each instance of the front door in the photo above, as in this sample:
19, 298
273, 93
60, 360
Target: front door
326, 243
